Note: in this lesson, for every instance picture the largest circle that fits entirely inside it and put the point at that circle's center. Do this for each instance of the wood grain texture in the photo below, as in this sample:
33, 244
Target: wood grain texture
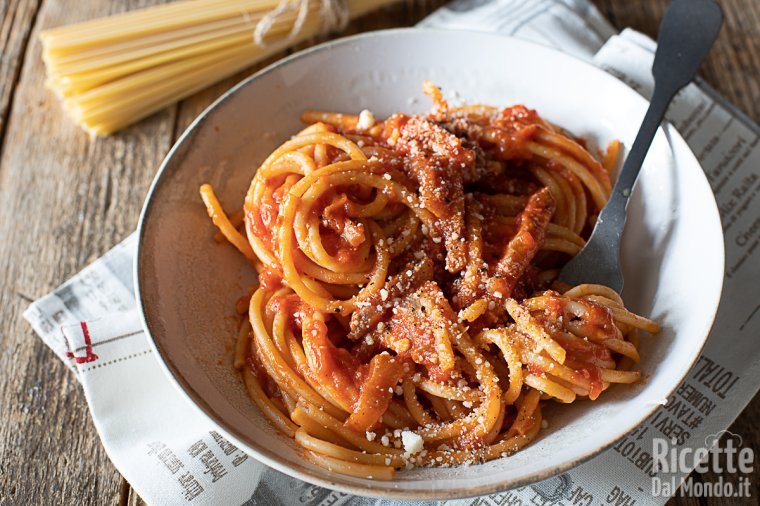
17, 18
65, 199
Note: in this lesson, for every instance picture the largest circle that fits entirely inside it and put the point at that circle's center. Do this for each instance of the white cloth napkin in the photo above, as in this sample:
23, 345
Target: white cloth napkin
171, 455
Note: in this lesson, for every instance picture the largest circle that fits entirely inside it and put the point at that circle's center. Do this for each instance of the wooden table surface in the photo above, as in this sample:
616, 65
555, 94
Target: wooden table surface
65, 199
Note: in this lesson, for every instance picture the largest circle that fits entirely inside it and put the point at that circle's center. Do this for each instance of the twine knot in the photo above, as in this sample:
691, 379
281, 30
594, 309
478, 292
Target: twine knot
333, 14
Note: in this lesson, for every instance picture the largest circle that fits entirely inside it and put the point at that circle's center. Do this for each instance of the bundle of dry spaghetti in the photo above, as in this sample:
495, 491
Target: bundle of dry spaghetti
113, 71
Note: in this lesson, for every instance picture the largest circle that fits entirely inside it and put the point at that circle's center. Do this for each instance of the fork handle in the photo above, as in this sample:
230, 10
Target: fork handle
687, 32
613, 213
599, 261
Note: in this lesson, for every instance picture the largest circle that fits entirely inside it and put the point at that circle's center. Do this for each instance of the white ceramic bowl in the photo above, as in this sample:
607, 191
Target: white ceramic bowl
187, 283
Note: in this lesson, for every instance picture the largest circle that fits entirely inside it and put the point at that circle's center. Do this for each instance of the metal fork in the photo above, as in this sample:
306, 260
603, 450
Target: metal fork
687, 32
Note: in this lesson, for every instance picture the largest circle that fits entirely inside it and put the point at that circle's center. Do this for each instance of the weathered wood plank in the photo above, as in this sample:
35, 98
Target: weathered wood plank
16, 22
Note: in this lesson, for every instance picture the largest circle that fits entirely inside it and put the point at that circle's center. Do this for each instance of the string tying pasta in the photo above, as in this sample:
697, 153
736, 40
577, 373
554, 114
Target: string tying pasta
285, 6
407, 312
333, 13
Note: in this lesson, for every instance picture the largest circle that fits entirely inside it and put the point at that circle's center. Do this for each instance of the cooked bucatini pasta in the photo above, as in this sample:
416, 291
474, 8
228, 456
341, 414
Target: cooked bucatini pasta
407, 312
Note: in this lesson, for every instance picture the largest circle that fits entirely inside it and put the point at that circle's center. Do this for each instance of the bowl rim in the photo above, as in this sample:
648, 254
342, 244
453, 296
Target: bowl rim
379, 490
